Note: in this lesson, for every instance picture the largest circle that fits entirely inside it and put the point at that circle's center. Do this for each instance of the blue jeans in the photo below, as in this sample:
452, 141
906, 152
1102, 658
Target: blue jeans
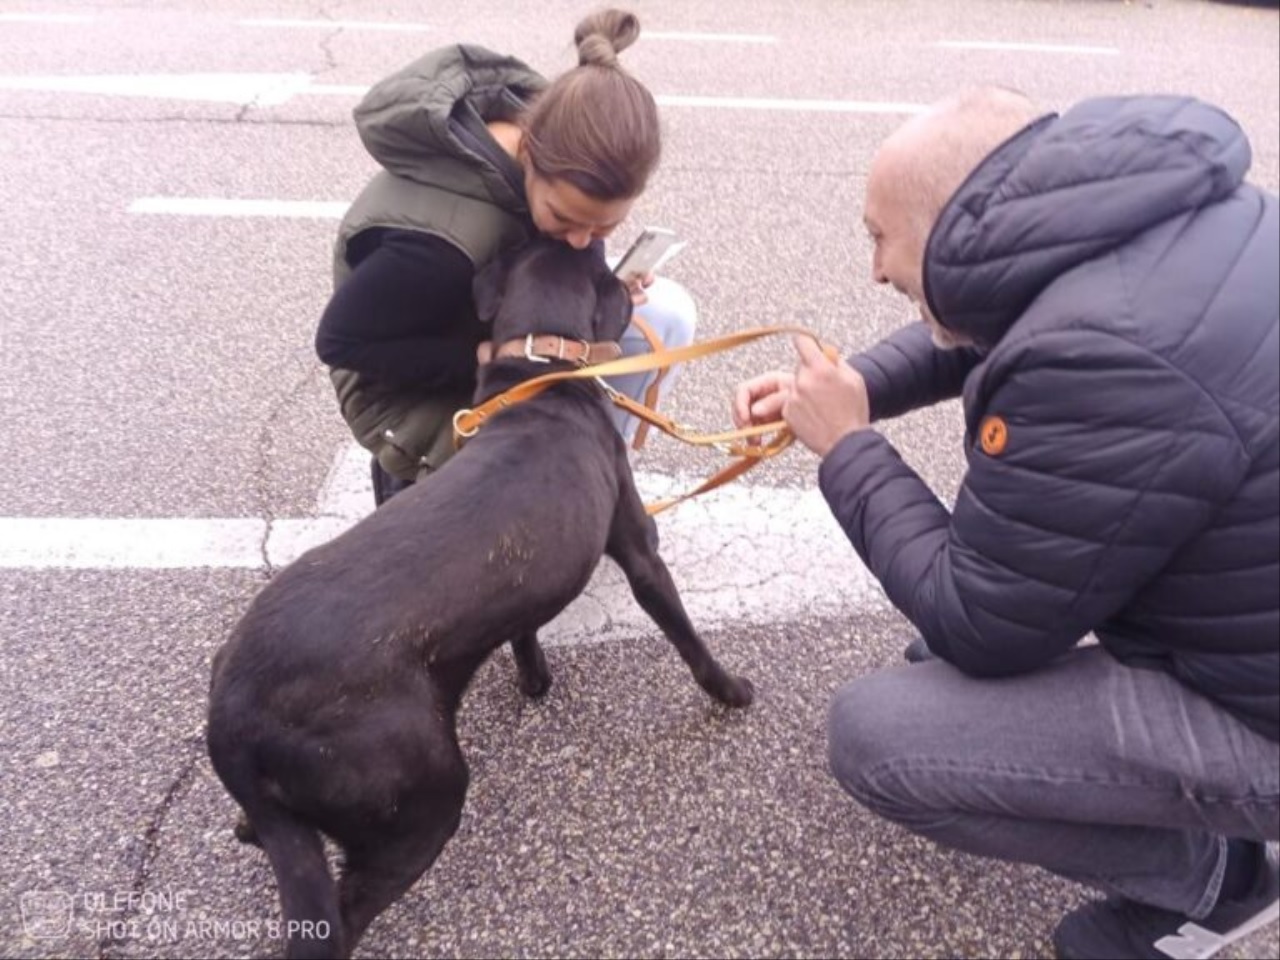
673, 316
1120, 778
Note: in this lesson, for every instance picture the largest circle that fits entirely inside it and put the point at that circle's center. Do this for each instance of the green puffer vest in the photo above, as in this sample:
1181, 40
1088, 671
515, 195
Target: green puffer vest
442, 176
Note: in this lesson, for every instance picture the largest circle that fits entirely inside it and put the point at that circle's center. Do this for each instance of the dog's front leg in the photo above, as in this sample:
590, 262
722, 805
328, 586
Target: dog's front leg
531, 664
633, 545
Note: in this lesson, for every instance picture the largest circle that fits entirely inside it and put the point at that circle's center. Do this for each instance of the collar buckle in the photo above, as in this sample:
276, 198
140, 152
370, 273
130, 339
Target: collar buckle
536, 357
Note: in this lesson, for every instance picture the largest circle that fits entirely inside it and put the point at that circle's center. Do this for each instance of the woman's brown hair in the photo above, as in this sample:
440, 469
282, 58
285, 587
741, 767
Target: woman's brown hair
596, 126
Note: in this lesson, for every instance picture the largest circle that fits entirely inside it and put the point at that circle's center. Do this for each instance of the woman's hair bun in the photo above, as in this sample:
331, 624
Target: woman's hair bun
603, 35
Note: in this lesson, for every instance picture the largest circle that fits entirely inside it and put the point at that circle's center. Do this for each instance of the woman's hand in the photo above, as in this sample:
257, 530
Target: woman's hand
636, 285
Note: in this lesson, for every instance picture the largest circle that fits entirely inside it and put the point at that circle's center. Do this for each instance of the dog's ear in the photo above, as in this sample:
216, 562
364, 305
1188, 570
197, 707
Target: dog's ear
488, 285
613, 307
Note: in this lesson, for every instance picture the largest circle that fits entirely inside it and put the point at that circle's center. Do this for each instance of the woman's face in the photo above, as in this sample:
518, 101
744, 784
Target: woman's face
561, 210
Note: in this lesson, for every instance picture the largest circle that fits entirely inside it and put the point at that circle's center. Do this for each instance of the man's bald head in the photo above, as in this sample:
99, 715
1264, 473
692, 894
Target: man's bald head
921, 165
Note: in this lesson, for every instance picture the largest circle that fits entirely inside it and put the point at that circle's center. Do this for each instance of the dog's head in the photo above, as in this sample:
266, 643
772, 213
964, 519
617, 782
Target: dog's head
547, 287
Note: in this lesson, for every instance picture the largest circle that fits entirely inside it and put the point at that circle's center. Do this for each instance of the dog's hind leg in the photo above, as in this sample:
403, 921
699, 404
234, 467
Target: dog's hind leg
531, 664
386, 859
632, 544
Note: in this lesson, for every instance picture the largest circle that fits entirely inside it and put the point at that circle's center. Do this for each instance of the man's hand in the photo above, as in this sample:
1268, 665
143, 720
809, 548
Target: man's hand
484, 352
828, 400
760, 399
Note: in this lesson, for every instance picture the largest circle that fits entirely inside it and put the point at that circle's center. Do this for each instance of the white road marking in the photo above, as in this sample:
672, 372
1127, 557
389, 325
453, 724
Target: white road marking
740, 555
801, 106
679, 100
260, 89
336, 24
385, 25
45, 17
709, 37
99, 543
276, 89
224, 207
337, 90
723, 103
1002, 46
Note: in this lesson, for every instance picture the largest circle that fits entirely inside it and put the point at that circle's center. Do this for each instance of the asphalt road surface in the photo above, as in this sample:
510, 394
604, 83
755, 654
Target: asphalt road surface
170, 178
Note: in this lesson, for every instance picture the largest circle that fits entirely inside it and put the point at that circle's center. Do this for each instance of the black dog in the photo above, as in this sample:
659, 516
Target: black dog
332, 707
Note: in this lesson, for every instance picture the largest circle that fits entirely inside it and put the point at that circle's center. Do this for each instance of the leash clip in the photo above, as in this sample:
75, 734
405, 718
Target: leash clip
607, 387
465, 434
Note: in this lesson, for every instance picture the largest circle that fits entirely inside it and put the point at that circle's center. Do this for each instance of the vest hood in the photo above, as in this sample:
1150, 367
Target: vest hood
425, 122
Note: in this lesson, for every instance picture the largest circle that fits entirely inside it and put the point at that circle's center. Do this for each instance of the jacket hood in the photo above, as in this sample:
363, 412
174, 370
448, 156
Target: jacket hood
425, 122
1067, 189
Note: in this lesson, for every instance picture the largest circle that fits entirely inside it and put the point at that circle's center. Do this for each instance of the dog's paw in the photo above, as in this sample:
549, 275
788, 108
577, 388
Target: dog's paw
535, 687
245, 832
736, 692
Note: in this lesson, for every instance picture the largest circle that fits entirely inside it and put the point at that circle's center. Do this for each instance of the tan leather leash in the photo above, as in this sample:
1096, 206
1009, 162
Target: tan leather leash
466, 423
651, 392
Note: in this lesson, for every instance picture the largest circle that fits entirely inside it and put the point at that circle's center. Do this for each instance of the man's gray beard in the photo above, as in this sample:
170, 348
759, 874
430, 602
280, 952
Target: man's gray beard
944, 340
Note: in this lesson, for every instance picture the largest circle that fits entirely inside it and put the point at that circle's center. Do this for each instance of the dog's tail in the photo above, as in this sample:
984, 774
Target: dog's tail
311, 916
308, 895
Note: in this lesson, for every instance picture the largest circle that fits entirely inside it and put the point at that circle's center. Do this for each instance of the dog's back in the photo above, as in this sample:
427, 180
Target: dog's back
519, 517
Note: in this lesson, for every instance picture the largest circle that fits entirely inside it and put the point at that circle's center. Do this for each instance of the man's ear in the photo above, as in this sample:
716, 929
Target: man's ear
488, 285
613, 307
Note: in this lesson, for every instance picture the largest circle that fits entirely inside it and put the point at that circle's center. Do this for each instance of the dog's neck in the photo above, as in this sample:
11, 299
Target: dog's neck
504, 373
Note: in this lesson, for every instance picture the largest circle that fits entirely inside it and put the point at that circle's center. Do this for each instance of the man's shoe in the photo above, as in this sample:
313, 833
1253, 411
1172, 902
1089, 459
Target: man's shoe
1117, 928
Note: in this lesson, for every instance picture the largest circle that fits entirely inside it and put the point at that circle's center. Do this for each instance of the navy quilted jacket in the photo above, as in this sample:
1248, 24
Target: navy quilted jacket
1121, 410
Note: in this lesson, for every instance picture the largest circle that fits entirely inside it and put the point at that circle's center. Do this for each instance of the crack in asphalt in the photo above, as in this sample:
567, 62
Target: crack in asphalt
260, 480
330, 59
326, 50
151, 841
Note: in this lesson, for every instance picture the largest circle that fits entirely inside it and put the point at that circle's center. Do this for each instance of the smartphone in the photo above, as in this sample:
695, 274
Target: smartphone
654, 247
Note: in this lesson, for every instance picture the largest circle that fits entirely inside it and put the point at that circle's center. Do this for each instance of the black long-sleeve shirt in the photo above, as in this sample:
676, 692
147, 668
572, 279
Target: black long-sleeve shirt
405, 316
